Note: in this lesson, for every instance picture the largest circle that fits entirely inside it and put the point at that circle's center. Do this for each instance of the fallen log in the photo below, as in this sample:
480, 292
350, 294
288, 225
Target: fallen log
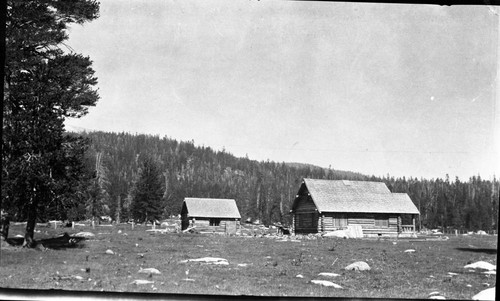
189, 229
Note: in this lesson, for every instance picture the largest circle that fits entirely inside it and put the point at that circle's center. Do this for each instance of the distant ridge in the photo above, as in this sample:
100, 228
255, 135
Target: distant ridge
341, 173
76, 129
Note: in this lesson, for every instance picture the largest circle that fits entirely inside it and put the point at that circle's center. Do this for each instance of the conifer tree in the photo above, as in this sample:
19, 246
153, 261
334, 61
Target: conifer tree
147, 193
43, 84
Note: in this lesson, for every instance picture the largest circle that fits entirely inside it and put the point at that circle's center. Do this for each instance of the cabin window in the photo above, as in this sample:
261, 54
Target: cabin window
381, 221
215, 222
339, 221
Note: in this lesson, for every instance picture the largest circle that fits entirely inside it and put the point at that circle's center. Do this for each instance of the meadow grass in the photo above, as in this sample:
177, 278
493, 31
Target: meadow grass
258, 266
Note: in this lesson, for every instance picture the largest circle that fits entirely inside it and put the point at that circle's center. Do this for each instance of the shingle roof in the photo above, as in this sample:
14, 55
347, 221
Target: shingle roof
212, 208
358, 196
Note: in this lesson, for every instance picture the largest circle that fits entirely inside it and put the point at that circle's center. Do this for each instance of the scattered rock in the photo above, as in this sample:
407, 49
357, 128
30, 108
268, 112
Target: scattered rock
242, 264
328, 274
209, 260
481, 232
487, 294
468, 285
149, 271
358, 266
108, 251
325, 283
142, 281
434, 293
481, 265
490, 272
452, 274
437, 297
410, 251
299, 276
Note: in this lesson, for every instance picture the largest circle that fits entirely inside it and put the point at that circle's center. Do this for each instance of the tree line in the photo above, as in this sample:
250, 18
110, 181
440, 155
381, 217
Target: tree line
48, 173
263, 190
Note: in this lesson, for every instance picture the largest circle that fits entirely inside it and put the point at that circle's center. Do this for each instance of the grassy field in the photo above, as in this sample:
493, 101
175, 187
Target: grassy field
257, 265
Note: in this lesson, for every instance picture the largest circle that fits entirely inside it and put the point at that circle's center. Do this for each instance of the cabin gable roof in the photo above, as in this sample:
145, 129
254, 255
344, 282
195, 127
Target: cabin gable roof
356, 197
211, 208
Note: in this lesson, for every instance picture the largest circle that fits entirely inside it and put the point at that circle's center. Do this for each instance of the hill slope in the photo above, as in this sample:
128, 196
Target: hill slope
266, 190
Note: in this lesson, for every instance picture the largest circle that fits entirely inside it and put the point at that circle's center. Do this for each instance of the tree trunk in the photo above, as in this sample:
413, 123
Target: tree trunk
258, 203
4, 224
30, 225
118, 209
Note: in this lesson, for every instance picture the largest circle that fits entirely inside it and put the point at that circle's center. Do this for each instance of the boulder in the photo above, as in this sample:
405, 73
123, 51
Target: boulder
209, 260
358, 266
325, 283
141, 281
481, 265
84, 234
149, 271
328, 274
487, 294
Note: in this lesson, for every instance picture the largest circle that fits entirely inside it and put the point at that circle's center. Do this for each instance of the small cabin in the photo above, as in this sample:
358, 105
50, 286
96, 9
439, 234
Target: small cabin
210, 215
326, 205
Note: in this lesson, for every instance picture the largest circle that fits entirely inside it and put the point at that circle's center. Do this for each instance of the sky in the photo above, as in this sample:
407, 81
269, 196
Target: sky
399, 89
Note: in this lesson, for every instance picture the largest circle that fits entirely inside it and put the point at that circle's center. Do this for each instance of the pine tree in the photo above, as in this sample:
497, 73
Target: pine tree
147, 193
42, 86
97, 195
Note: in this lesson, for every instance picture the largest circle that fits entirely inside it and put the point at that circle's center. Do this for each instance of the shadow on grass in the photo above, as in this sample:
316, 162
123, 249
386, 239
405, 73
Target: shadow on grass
479, 250
62, 242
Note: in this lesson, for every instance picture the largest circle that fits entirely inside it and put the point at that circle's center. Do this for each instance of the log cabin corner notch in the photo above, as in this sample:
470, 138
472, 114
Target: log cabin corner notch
210, 215
327, 205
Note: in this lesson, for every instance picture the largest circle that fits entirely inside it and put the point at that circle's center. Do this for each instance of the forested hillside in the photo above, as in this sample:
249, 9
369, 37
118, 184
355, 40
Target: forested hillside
262, 190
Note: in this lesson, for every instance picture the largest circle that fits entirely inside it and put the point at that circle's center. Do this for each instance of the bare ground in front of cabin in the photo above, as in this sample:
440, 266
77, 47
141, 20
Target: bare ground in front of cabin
257, 265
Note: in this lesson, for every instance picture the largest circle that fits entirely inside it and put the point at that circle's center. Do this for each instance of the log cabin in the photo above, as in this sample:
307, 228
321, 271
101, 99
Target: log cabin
326, 205
210, 215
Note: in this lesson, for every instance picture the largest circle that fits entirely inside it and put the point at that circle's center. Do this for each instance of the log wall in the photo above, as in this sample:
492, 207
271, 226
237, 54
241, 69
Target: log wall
386, 224
333, 221
225, 226
306, 218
